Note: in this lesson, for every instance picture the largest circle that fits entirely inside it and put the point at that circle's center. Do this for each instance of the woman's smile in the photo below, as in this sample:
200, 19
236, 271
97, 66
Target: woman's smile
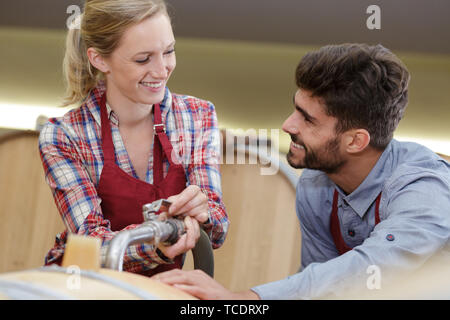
152, 86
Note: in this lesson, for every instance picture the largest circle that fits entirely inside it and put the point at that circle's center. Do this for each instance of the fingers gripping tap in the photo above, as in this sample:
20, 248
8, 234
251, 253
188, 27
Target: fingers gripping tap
150, 212
155, 229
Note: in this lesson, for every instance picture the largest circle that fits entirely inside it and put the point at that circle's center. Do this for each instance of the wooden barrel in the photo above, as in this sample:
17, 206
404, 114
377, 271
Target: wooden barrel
263, 242
29, 217
57, 283
444, 156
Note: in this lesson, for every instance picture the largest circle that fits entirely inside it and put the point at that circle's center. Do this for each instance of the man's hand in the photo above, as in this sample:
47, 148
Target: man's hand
200, 285
190, 202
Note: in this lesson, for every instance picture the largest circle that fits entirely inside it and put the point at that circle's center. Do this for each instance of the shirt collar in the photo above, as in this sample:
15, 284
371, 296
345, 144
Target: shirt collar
365, 195
166, 104
93, 104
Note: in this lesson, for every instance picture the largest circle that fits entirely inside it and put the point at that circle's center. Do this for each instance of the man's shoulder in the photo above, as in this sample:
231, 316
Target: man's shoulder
411, 156
408, 151
413, 161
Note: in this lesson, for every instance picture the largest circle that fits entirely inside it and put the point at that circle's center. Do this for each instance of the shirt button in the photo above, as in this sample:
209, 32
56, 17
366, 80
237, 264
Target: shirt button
351, 232
390, 237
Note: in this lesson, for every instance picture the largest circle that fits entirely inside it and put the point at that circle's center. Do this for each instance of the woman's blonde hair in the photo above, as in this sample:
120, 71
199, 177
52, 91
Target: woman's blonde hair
101, 26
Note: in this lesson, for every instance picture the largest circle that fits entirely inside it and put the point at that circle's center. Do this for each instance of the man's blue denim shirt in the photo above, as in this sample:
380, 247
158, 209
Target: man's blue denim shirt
414, 184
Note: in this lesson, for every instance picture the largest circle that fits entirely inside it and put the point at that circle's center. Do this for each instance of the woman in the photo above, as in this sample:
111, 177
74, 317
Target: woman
131, 141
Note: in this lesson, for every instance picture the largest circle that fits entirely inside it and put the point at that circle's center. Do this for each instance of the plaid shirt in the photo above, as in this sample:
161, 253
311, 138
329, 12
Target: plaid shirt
71, 153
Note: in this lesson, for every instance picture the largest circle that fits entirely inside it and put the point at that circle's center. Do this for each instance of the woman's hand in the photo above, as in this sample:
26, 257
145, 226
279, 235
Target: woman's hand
186, 242
190, 202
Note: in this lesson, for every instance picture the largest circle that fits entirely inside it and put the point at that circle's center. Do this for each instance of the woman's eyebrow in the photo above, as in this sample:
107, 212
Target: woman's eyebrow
151, 52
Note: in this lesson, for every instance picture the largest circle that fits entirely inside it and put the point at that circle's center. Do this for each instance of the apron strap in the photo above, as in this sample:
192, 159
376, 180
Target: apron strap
161, 143
377, 210
335, 229
107, 141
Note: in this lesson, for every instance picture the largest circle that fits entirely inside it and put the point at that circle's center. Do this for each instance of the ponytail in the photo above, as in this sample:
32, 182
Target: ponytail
79, 75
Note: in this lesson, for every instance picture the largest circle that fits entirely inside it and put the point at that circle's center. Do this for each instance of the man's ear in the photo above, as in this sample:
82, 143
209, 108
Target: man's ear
356, 140
97, 60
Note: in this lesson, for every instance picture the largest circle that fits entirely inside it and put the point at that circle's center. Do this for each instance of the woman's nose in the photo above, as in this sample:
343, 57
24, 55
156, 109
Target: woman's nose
158, 68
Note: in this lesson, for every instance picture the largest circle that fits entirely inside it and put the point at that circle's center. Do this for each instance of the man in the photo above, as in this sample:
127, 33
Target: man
367, 204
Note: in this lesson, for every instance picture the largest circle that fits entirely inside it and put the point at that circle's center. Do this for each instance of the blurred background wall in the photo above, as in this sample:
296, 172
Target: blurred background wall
241, 55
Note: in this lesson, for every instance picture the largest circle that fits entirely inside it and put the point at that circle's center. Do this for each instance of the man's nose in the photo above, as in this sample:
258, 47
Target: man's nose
289, 125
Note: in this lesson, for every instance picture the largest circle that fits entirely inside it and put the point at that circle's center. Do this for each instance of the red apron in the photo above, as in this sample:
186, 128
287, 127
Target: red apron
123, 195
335, 230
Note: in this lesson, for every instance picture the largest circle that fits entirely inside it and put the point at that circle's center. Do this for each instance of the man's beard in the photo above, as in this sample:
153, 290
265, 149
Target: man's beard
326, 159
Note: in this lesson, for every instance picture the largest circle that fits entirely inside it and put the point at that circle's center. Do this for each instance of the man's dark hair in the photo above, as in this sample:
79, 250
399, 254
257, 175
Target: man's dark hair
362, 86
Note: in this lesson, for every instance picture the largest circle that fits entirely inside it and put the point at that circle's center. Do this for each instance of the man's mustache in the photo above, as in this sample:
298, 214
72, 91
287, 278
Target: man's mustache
297, 141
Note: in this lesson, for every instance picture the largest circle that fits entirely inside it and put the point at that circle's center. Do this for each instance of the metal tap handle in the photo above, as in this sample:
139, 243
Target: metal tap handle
152, 231
149, 210
178, 231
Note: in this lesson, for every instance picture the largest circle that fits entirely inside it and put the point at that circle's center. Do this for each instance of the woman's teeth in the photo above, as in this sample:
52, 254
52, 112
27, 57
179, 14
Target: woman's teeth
151, 84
